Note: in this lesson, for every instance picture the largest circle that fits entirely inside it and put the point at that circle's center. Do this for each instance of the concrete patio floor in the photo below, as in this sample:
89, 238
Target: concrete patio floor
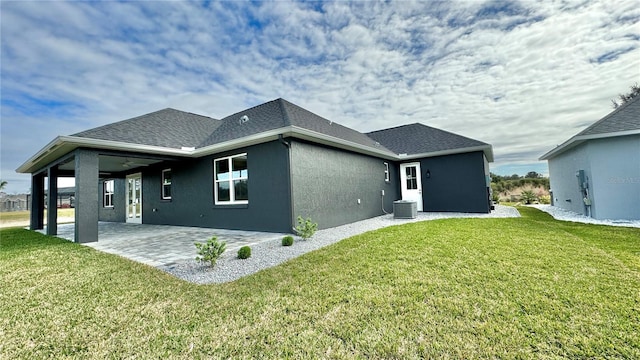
161, 245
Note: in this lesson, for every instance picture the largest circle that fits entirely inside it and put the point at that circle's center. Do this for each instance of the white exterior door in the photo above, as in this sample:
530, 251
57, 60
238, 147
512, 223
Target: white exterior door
411, 183
134, 198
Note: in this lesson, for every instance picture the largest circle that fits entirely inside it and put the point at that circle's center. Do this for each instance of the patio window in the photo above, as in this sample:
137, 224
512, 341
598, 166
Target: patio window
386, 172
231, 180
108, 193
166, 184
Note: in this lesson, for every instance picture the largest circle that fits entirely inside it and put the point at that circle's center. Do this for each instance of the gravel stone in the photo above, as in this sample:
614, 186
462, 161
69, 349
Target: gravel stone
566, 215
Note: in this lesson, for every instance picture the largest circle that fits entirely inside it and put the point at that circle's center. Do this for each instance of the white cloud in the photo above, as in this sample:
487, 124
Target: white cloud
521, 76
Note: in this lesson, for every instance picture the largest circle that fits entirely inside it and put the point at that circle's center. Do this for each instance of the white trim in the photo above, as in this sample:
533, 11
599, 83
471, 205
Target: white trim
133, 219
62, 145
411, 194
230, 180
339, 143
577, 140
486, 149
162, 184
104, 193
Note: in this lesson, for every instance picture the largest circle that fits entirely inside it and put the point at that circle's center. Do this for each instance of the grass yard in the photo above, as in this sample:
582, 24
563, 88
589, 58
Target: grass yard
456, 288
21, 218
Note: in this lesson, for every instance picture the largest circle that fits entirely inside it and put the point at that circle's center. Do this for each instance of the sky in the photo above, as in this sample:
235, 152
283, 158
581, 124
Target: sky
522, 76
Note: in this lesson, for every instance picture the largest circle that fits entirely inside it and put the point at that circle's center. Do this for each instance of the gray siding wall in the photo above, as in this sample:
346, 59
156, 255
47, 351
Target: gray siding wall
612, 167
457, 183
118, 212
327, 184
563, 181
192, 202
615, 168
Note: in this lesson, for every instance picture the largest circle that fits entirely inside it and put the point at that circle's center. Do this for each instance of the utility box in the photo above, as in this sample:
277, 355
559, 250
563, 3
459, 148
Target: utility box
405, 209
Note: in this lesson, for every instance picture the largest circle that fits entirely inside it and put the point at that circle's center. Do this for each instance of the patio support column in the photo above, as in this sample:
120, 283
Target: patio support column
37, 202
52, 201
87, 196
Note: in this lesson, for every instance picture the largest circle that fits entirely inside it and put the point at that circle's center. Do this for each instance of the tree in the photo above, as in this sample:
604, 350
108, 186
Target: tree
528, 196
3, 184
532, 175
635, 91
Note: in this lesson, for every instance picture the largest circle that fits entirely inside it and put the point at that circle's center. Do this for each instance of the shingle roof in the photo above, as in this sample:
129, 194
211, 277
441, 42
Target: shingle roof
305, 119
622, 121
167, 128
172, 130
419, 139
281, 113
624, 118
176, 129
261, 118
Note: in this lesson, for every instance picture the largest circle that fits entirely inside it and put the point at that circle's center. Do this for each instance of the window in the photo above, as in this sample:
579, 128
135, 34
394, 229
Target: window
386, 172
231, 177
166, 184
108, 193
412, 179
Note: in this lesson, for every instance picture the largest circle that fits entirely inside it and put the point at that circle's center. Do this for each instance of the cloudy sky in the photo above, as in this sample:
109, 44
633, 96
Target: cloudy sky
522, 76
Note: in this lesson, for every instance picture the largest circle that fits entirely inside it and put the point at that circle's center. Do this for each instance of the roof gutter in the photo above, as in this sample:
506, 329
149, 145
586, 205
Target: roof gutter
577, 140
486, 149
62, 145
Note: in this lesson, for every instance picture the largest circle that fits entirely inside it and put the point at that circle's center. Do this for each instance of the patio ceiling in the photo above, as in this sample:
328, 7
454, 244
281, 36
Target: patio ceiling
109, 164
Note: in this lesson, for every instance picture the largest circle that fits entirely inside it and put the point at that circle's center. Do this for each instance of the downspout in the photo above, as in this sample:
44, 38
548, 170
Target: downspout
289, 180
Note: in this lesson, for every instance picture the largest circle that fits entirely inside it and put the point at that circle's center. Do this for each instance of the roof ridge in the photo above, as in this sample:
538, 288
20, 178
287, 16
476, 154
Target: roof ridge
188, 112
248, 109
395, 127
129, 120
427, 126
283, 110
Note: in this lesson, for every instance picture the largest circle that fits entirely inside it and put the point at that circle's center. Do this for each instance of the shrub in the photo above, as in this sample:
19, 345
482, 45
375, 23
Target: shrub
210, 251
244, 252
528, 197
544, 199
495, 197
306, 228
287, 240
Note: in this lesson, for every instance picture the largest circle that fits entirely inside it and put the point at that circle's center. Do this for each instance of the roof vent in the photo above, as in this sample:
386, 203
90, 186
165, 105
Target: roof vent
243, 119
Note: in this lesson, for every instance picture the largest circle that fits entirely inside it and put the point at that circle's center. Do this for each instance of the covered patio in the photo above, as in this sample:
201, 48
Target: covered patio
162, 245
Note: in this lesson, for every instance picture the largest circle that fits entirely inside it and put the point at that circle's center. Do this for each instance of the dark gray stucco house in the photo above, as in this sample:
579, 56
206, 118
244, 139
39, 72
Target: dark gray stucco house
597, 172
257, 169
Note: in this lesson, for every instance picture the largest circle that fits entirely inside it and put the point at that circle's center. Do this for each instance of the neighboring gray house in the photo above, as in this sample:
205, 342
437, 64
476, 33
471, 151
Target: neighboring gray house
256, 170
597, 172
16, 202
66, 197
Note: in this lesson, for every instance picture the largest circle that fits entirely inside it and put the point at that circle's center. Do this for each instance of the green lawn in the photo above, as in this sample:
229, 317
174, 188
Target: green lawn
457, 288
14, 216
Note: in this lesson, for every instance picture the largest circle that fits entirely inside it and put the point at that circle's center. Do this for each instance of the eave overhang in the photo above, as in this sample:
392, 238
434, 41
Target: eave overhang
63, 145
486, 149
577, 140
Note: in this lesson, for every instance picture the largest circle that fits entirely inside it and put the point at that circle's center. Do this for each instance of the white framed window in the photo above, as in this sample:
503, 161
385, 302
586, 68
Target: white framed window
166, 184
107, 190
231, 177
387, 178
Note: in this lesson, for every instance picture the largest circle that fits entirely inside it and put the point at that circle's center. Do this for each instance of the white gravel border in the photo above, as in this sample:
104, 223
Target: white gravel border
272, 253
566, 215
